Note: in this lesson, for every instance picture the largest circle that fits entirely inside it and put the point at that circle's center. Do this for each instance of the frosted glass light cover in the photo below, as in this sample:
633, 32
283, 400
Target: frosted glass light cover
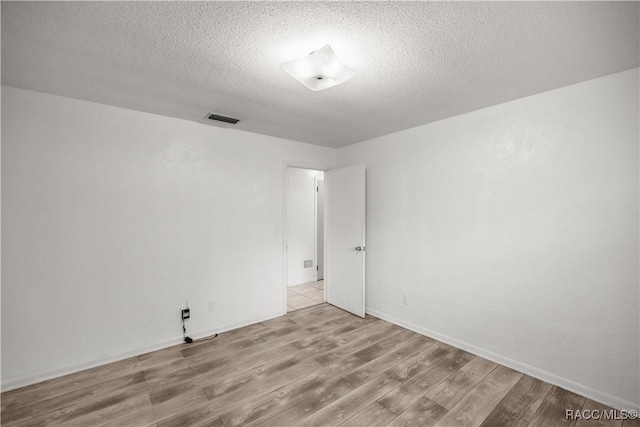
319, 70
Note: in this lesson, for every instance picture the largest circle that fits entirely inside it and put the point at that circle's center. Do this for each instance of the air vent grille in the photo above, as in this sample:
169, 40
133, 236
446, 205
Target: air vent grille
219, 118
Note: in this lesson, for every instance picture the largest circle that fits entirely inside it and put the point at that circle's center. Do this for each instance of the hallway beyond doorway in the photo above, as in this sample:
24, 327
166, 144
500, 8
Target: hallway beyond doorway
306, 295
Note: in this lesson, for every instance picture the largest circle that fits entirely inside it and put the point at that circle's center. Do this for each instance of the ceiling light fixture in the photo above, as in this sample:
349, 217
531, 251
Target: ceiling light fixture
319, 70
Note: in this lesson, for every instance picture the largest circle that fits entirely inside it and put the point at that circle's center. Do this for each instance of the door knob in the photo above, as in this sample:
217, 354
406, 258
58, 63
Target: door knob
360, 248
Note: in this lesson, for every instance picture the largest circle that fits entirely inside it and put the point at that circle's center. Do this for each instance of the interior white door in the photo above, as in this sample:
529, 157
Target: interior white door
344, 191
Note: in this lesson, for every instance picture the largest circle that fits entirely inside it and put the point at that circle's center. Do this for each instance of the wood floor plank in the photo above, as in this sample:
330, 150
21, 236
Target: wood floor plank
366, 339
330, 324
104, 411
135, 395
350, 327
364, 327
203, 415
345, 363
217, 422
205, 362
479, 402
351, 403
373, 351
319, 317
144, 416
238, 346
449, 392
165, 357
230, 364
235, 385
345, 366
278, 323
19, 413
424, 413
264, 380
172, 390
318, 397
257, 408
385, 361
401, 398
374, 415
228, 368
176, 371
408, 368
231, 370
227, 365
552, 410
279, 368
520, 404
73, 397
338, 332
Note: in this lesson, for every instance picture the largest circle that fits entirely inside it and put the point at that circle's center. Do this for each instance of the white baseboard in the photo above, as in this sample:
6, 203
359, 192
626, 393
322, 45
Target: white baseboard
598, 396
26, 380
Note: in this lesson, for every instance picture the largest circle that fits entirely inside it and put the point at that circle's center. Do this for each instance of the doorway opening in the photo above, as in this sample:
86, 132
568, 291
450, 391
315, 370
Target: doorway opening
304, 235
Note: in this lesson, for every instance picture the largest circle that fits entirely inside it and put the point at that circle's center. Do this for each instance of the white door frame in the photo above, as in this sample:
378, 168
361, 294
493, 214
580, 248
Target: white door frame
285, 257
315, 218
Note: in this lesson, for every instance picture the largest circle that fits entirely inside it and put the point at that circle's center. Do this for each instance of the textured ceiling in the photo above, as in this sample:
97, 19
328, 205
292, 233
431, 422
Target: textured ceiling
415, 62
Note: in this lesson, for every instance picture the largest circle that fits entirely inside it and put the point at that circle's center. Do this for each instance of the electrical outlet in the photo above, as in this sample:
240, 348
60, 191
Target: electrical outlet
405, 300
212, 306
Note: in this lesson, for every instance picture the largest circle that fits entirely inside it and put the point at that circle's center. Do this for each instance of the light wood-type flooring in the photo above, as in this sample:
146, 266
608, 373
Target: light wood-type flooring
314, 366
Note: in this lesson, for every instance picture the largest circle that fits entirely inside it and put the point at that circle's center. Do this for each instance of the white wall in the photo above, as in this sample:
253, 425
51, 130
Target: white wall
301, 227
113, 218
513, 231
